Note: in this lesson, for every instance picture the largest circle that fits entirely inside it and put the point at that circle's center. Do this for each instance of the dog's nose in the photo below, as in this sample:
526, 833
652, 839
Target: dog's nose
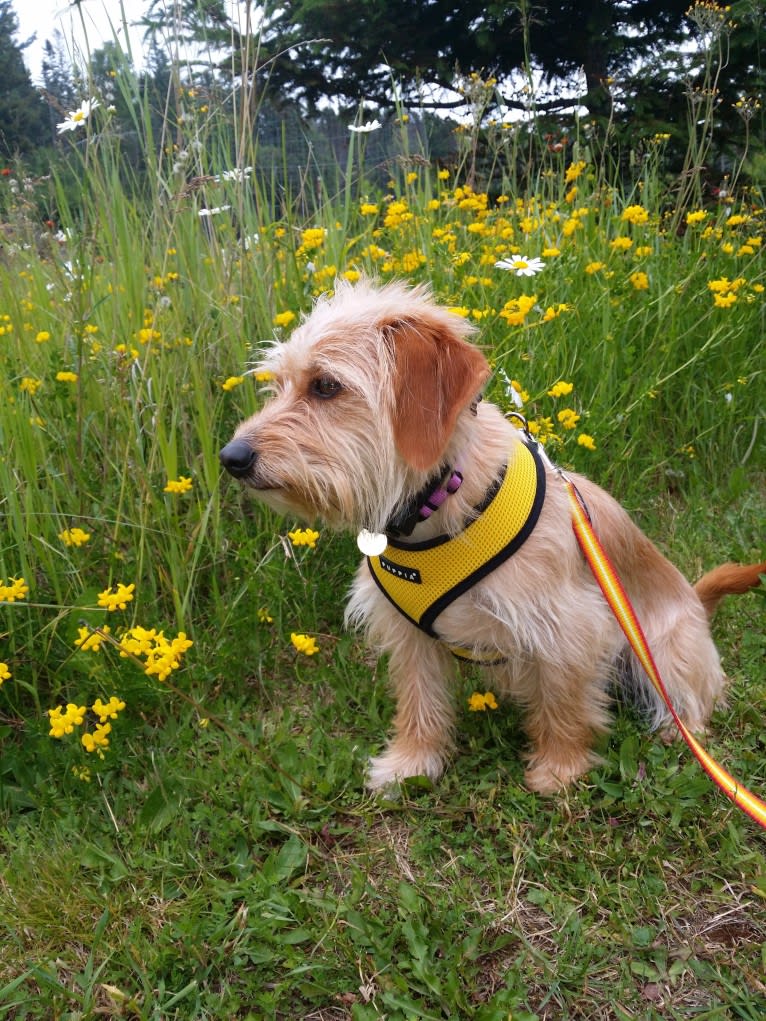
237, 458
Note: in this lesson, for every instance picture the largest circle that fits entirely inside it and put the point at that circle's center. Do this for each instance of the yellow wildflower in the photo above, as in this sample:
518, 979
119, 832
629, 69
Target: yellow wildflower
561, 389
16, 588
161, 655
412, 260
697, 216
312, 238
640, 281
574, 170
568, 418
283, 318
397, 214
180, 485
479, 703
30, 385
635, 215
126, 352
584, 440
5, 673
108, 710
64, 720
516, 310
303, 537
118, 600
594, 267
91, 641
42, 336
554, 311
542, 428
98, 739
232, 382
74, 537
304, 644
67, 377
720, 286
374, 252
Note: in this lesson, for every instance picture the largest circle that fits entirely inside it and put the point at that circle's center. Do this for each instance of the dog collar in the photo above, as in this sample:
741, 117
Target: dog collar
421, 579
423, 504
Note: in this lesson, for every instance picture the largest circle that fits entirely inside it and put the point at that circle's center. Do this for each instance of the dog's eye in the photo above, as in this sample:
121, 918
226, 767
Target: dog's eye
325, 387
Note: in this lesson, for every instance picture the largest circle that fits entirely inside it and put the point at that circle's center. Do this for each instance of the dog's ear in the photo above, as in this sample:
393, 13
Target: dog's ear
436, 375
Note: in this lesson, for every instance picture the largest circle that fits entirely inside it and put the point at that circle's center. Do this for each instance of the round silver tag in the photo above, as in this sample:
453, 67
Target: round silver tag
372, 544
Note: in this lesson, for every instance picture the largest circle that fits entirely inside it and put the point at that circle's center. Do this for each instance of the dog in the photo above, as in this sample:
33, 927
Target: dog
376, 424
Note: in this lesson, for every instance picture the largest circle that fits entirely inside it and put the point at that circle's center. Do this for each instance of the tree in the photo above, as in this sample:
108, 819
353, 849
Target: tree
23, 114
57, 80
347, 50
193, 27
57, 73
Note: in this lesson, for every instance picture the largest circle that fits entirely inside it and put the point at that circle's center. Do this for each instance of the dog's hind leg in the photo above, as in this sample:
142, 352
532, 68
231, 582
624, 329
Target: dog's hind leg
688, 663
565, 710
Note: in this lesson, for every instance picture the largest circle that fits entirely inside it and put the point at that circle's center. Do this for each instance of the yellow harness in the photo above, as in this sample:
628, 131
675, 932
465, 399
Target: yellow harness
421, 579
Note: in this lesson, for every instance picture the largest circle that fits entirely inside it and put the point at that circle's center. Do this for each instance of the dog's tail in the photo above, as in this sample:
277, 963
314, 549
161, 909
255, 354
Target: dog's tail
727, 580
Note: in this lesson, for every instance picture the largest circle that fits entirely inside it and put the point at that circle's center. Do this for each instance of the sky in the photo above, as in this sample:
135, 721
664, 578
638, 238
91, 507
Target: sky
101, 19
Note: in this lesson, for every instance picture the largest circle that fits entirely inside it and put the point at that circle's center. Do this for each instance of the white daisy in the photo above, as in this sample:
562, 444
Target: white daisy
365, 128
77, 118
521, 265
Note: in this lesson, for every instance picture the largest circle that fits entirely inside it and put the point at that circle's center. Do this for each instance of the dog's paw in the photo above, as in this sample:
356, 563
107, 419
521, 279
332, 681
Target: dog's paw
387, 770
546, 777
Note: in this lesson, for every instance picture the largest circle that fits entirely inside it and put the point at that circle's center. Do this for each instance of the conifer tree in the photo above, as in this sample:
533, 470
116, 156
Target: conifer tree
23, 115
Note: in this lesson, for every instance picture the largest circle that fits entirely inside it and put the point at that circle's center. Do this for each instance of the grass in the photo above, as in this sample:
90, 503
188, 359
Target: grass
219, 858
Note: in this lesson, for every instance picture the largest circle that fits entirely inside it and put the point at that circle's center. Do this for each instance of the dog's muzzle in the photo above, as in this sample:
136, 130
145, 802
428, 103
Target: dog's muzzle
238, 458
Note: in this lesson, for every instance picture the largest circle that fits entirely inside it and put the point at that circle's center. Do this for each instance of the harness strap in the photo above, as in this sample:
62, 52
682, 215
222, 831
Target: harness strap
615, 595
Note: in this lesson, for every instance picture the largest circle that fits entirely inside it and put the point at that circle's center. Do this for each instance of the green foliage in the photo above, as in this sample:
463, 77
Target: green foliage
348, 51
219, 858
23, 118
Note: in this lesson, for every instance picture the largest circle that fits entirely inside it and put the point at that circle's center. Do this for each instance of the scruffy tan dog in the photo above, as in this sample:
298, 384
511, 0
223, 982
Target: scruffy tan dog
376, 425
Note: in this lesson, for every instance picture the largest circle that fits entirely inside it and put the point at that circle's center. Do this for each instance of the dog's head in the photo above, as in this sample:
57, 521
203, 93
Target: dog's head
366, 398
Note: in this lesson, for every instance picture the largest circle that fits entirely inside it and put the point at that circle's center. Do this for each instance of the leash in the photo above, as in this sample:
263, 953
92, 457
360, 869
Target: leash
611, 586
615, 595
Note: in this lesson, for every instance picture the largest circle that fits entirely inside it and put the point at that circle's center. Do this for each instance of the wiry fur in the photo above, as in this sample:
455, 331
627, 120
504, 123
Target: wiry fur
408, 379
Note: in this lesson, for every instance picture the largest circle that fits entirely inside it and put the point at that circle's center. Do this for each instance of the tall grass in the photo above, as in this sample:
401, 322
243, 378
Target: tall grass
153, 291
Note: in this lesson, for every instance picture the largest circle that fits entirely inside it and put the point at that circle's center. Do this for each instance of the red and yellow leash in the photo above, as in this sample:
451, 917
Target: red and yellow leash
615, 595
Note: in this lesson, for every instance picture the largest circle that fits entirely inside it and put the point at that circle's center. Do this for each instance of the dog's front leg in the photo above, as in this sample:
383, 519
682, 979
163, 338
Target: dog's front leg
420, 671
